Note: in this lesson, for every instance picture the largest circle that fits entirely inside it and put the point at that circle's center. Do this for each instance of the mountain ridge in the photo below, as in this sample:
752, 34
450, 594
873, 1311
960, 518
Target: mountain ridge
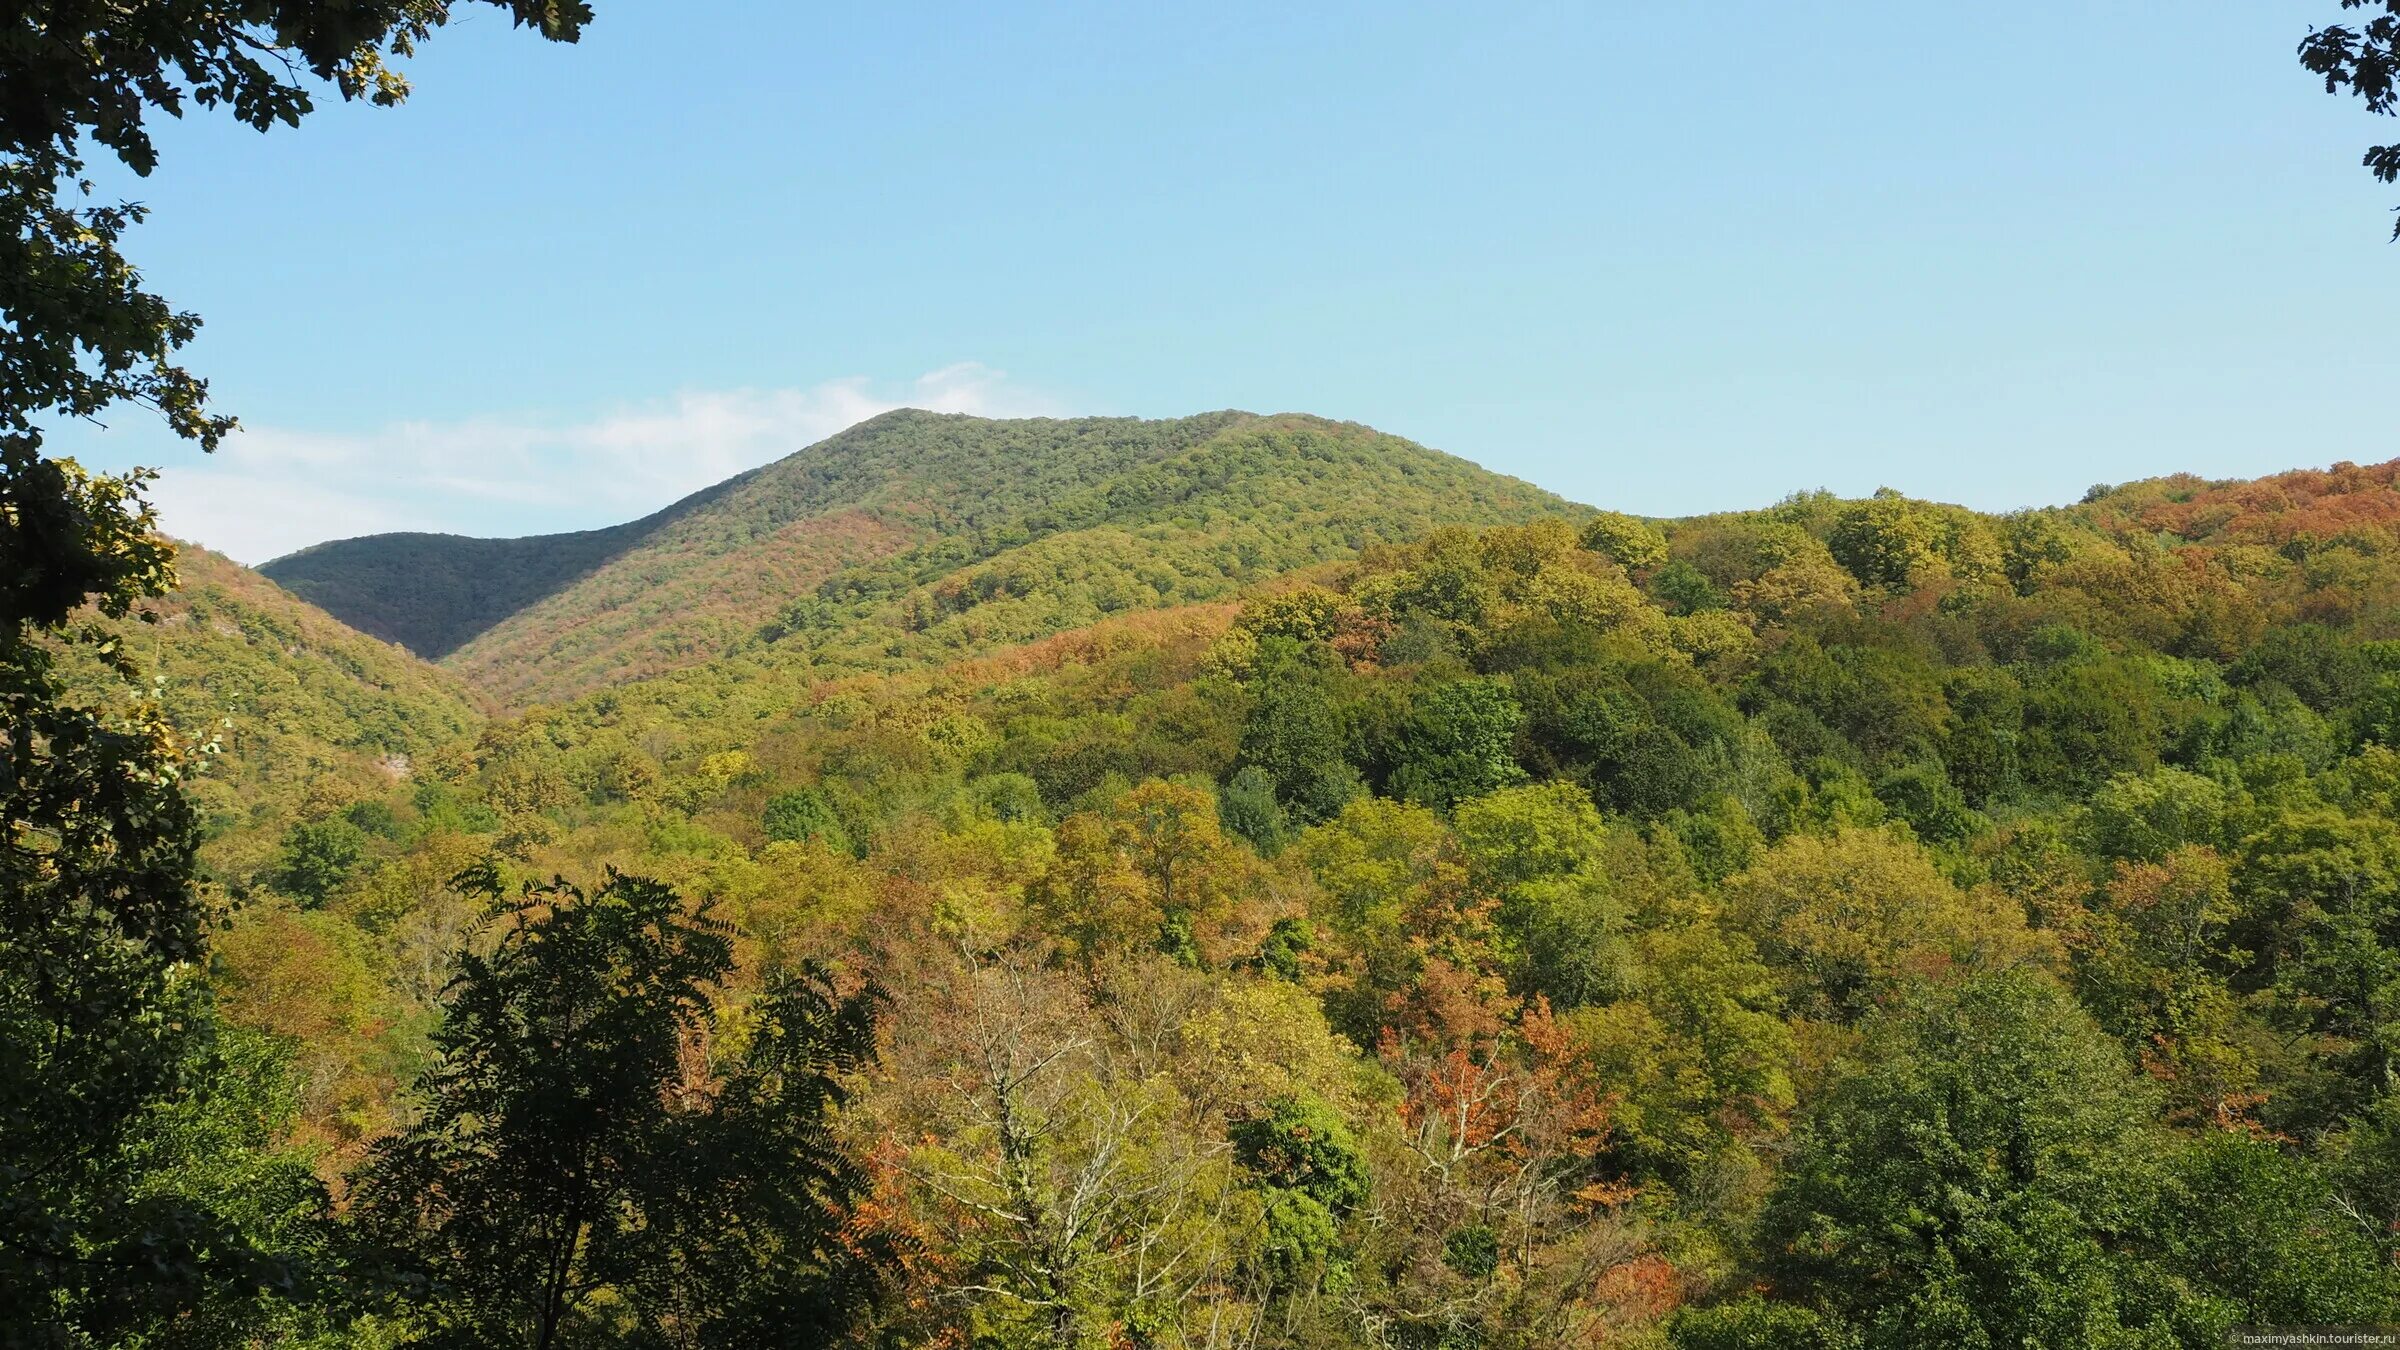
515, 559
1036, 524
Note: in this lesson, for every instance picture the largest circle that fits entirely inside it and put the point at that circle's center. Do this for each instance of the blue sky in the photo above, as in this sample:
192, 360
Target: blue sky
1662, 258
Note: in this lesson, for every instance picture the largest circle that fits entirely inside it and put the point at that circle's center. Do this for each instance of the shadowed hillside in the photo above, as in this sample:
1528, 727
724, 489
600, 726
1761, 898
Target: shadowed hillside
431, 593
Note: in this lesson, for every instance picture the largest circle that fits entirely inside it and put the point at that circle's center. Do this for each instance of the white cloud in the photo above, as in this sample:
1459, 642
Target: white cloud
271, 490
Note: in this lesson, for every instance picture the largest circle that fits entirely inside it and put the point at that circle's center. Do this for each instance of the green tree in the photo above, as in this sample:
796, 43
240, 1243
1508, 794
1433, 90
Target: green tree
1537, 850
2090, 720
104, 1029
2246, 1231
317, 857
1629, 541
1311, 1174
101, 1028
1294, 735
1849, 919
1754, 1323
1393, 892
1247, 807
220, 1153
2145, 817
580, 1176
802, 814
1923, 795
1887, 540
2317, 899
1458, 741
2364, 1160
1967, 1184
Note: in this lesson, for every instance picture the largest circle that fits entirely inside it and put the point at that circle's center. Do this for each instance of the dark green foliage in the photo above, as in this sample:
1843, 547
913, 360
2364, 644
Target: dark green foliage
1923, 795
576, 1178
1010, 797
1176, 940
105, 1035
1968, 1183
1293, 735
1304, 1159
317, 857
1638, 735
1303, 1146
252, 1226
804, 814
2362, 58
1286, 942
1885, 701
1754, 1323
2250, 1233
1982, 743
1685, 589
134, 1205
2088, 719
1458, 741
1472, 1250
2376, 718
2310, 660
455, 587
1988, 1175
1246, 805
2363, 1161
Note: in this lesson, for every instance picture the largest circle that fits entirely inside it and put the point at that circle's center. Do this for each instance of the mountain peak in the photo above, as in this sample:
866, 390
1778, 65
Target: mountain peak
970, 510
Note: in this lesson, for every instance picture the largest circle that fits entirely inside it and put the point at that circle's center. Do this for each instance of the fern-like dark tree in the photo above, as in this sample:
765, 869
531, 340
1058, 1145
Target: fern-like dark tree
608, 1156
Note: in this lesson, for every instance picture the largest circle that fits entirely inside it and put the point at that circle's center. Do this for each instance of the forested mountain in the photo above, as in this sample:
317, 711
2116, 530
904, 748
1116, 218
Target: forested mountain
1853, 923
912, 535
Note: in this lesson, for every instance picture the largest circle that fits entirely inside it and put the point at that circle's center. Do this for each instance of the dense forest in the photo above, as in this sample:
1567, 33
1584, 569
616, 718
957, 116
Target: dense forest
1232, 882
1849, 923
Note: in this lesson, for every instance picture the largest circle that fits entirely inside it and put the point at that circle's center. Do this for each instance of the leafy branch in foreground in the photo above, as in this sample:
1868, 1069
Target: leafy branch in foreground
2365, 60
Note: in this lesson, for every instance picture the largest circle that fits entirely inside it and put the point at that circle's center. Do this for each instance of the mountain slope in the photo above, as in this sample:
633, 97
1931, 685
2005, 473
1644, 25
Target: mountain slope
303, 706
912, 530
918, 472
231, 643
1262, 498
708, 580
431, 593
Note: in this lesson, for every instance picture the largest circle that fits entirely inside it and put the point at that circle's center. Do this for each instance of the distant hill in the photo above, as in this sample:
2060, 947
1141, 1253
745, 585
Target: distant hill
432, 593
917, 531
2315, 508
